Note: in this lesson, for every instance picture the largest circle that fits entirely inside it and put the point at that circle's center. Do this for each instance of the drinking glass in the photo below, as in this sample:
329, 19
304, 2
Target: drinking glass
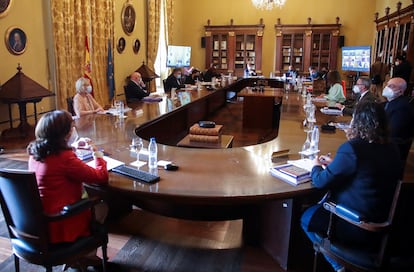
306, 145
117, 104
137, 145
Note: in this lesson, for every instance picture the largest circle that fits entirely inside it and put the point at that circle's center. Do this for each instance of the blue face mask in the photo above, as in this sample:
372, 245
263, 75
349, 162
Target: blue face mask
178, 76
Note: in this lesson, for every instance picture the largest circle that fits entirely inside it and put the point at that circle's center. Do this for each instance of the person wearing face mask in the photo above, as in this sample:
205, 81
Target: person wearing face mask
362, 93
191, 79
136, 89
174, 80
60, 174
83, 102
402, 68
313, 73
400, 114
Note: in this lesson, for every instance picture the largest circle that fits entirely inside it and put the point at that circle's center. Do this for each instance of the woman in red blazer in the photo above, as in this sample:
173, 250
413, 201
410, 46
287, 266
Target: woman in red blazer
60, 173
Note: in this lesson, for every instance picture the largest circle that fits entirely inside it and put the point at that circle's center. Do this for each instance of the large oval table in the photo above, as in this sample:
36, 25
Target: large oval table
211, 184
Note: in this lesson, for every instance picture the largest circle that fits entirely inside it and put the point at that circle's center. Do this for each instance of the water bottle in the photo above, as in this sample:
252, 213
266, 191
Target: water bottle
246, 73
152, 157
315, 139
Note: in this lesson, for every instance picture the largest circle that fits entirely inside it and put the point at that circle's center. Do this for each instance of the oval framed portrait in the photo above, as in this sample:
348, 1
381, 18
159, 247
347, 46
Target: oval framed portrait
128, 17
16, 40
136, 46
120, 45
4, 7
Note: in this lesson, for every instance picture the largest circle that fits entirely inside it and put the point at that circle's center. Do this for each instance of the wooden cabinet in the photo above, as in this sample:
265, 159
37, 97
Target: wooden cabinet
305, 45
231, 47
394, 35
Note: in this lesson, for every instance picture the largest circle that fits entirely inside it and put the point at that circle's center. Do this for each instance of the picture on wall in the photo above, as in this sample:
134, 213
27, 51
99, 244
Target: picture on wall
16, 40
120, 46
136, 46
4, 7
128, 18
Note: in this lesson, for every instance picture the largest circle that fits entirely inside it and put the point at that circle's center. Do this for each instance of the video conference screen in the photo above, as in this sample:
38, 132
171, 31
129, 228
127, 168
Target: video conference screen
356, 58
178, 56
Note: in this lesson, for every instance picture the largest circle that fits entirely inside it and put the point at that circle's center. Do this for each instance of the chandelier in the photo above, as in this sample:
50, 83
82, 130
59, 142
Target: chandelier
268, 4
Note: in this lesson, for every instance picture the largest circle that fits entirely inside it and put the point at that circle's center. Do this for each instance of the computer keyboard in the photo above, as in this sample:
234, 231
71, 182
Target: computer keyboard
136, 174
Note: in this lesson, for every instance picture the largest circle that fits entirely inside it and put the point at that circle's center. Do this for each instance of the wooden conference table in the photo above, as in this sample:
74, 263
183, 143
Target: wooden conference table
211, 184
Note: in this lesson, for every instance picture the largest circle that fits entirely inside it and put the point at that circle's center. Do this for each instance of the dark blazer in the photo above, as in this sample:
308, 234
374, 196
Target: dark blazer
362, 177
401, 118
134, 91
172, 82
403, 70
350, 108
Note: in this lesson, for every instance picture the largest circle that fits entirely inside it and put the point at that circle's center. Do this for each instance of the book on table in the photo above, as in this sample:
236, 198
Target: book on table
291, 173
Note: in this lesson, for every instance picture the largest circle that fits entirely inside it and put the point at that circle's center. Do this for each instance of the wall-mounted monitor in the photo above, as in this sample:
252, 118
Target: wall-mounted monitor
356, 58
178, 56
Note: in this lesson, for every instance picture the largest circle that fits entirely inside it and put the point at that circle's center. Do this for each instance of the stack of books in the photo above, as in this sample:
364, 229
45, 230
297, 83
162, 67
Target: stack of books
84, 154
205, 135
291, 173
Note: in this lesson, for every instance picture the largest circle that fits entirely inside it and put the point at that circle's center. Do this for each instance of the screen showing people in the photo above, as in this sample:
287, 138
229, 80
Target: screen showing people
178, 56
356, 58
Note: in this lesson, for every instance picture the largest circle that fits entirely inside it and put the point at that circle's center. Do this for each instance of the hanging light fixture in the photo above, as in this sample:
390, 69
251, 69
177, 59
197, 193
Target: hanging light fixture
268, 4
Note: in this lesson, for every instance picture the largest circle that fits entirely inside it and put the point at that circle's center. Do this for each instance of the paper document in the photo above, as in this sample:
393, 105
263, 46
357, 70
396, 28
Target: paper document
110, 163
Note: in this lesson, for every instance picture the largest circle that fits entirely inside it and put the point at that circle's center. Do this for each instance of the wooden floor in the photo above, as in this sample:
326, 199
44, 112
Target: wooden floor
183, 233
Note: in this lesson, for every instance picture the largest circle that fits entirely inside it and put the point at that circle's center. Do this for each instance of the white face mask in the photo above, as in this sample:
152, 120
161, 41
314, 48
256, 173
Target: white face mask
89, 89
388, 93
356, 89
397, 63
73, 137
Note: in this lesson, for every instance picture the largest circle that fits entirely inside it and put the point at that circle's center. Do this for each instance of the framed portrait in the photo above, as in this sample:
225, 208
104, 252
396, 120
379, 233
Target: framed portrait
128, 17
136, 46
120, 46
4, 7
16, 40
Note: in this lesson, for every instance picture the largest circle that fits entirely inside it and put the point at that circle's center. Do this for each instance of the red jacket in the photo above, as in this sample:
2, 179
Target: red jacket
60, 179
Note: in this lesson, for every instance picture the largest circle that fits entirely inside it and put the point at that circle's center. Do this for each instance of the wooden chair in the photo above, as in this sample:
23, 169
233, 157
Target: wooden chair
28, 224
387, 257
69, 102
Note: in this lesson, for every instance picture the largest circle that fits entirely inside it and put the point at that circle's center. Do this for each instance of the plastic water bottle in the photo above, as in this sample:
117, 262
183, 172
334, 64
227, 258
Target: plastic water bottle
152, 157
315, 139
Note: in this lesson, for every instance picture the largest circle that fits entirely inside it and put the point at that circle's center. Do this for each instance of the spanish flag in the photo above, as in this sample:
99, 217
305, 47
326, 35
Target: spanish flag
87, 67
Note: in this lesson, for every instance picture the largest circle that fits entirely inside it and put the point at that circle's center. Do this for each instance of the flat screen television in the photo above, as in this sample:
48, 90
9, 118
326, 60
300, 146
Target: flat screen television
356, 58
178, 56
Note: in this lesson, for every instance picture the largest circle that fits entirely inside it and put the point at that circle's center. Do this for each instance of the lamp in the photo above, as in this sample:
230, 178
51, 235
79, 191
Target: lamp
268, 4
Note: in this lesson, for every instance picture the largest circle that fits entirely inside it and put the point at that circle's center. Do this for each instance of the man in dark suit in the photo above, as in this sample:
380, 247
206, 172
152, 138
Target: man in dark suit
362, 93
135, 90
400, 114
174, 80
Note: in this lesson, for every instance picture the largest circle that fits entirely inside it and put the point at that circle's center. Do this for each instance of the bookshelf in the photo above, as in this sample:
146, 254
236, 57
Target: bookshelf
231, 47
303, 45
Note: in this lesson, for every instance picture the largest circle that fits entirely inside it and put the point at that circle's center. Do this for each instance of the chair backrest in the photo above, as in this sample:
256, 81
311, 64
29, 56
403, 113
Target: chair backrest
69, 102
22, 207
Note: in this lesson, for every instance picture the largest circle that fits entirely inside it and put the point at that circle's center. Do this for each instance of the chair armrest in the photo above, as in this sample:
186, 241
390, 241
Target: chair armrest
74, 208
355, 218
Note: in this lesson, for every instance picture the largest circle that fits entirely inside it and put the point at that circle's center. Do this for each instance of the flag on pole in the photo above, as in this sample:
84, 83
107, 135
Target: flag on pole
110, 72
87, 67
